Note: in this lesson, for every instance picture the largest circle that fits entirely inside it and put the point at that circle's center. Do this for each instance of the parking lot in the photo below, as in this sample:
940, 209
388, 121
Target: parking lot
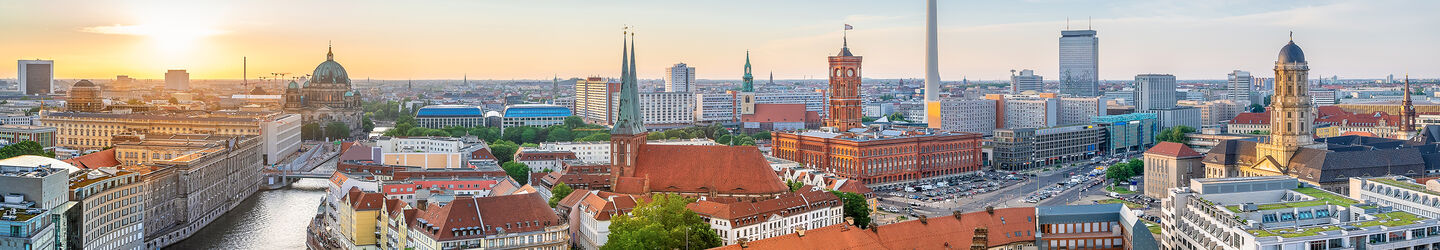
932, 195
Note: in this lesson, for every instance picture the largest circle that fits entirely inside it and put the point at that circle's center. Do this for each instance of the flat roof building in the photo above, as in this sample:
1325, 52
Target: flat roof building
441, 116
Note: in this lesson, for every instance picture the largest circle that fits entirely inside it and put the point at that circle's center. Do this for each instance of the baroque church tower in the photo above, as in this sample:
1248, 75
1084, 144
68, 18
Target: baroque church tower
628, 134
1291, 117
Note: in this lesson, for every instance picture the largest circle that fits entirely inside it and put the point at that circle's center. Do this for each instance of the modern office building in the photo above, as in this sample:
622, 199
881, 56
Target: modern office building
1102, 226
592, 99
441, 116
36, 76
35, 203
779, 117
110, 212
1039, 110
1215, 112
84, 96
1026, 81
665, 110
533, 115
1170, 165
1079, 63
1399, 193
1279, 212
679, 78
1154, 92
1323, 97
730, 106
177, 79
599, 152
968, 115
18, 133
1128, 133
1026, 148
1238, 85
424, 152
95, 130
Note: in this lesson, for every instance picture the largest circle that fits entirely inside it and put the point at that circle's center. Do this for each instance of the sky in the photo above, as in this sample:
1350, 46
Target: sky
979, 40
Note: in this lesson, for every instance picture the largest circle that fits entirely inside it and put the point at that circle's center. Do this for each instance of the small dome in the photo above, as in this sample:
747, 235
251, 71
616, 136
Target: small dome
84, 83
1291, 53
307, 83
349, 93
293, 85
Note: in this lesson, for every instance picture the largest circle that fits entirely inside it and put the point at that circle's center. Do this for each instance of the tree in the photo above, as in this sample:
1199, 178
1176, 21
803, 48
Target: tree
174, 101
1175, 134
337, 130
561, 134
574, 122
724, 139
1259, 132
661, 223
518, 171
1124, 170
310, 131
898, 117
366, 124
855, 207
559, 192
1267, 100
529, 136
24, 148
868, 119
1257, 108
794, 185
32, 111
503, 150
596, 137
761, 136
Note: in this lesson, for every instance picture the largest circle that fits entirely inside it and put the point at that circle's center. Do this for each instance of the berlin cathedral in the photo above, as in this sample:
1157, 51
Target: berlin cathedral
326, 96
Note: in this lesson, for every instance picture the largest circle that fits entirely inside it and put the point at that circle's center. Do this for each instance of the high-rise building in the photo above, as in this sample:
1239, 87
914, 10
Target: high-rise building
177, 79
1238, 85
1026, 81
1044, 110
844, 90
680, 78
1154, 92
974, 116
1079, 63
36, 76
592, 99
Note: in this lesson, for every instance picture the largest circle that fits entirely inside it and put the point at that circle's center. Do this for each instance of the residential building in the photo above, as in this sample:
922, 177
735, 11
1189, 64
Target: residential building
96, 130
1026, 148
359, 213
1102, 226
110, 211
441, 116
1170, 165
1216, 112
968, 115
1178, 116
1325, 97
1026, 81
1128, 132
730, 106
190, 180
533, 115
665, 110
592, 99
589, 213
522, 221
1039, 110
84, 96
599, 152
717, 108
1238, 85
36, 76
810, 207
541, 161
1278, 212
423, 152
998, 228
1079, 63
17, 133
884, 156
1154, 92
1079, 110
679, 78
177, 79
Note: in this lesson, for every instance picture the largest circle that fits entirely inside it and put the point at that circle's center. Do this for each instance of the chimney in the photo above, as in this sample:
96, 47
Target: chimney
957, 214
874, 228
990, 209
744, 242
923, 221
799, 231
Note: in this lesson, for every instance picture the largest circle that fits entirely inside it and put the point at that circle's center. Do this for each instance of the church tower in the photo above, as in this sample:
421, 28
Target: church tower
1407, 114
844, 90
1291, 119
749, 80
628, 134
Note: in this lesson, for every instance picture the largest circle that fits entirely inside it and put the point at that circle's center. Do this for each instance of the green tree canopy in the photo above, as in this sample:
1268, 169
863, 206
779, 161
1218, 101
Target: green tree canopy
518, 171
1175, 134
661, 224
337, 131
24, 148
559, 192
503, 150
574, 122
855, 207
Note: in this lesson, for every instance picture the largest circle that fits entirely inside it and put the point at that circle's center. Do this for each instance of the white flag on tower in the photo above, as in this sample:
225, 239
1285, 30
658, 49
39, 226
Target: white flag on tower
848, 27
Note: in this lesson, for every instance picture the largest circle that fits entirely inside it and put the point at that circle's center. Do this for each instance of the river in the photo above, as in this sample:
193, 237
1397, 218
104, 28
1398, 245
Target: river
274, 219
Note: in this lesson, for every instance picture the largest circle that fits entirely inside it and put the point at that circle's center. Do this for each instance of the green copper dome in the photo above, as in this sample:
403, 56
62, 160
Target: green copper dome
293, 85
349, 93
330, 71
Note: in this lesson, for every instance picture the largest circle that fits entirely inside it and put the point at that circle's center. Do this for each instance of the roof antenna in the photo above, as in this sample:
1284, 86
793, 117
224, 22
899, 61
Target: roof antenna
1067, 23
1292, 35
1087, 23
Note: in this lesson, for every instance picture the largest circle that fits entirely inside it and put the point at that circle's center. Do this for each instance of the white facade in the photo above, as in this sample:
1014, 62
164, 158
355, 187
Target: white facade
281, 137
1154, 92
599, 152
1079, 110
1079, 63
1215, 112
592, 100
1181, 116
974, 116
1031, 112
1400, 193
679, 78
719, 107
36, 74
1237, 86
1025, 81
177, 79
419, 144
1324, 97
666, 108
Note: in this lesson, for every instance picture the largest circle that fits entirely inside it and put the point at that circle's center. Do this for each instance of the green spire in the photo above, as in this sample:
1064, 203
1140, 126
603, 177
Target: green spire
628, 122
749, 85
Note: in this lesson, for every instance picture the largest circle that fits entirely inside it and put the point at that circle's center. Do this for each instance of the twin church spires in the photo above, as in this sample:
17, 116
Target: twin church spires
628, 121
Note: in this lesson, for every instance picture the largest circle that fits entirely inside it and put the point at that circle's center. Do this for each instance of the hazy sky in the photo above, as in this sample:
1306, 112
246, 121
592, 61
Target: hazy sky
536, 39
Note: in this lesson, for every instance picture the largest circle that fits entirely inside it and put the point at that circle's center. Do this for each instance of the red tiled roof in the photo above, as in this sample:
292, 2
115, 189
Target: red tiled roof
1330, 110
603, 205
362, 201
777, 112
944, 232
1172, 149
477, 217
747, 213
701, 169
1359, 133
544, 155
100, 159
1252, 118
357, 152
482, 154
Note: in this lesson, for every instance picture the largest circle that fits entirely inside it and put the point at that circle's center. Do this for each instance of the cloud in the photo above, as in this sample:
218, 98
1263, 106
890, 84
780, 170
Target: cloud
152, 30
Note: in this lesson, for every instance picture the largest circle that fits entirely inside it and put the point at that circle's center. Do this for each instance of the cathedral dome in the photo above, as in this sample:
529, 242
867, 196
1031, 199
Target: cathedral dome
293, 85
330, 71
1291, 54
84, 83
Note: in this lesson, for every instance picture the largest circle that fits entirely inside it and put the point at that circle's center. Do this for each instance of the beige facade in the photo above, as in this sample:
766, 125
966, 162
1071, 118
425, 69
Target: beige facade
191, 189
110, 209
1170, 165
94, 130
424, 160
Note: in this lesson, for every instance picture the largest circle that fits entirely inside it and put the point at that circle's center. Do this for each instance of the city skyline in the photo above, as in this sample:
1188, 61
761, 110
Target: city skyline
521, 40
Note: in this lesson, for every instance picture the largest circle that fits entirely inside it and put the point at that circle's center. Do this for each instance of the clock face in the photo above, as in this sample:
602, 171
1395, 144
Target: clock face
850, 72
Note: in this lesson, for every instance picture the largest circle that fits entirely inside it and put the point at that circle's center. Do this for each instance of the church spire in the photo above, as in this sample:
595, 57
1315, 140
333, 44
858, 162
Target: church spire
628, 121
749, 80
1407, 109
330, 52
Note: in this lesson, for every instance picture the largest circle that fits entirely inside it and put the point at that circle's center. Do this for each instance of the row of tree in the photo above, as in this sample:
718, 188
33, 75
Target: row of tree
1175, 134
332, 130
